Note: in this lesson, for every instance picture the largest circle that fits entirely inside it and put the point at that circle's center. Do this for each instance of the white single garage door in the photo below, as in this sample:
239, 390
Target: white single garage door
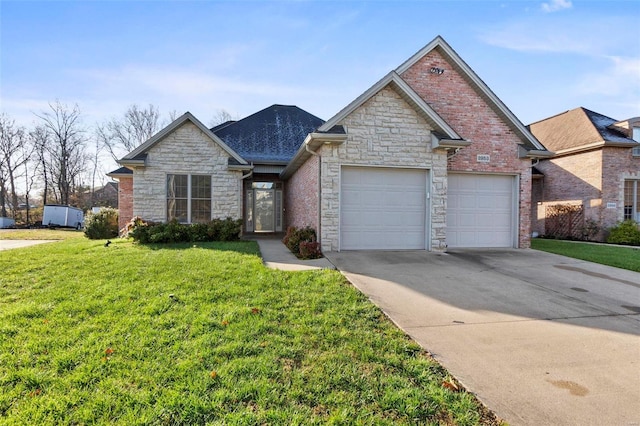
480, 210
382, 208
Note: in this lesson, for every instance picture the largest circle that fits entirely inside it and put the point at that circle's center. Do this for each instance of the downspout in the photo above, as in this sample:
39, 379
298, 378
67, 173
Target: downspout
319, 206
248, 174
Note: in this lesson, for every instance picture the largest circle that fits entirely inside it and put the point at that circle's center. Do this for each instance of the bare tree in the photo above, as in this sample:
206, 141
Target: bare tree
30, 175
173, 114
40, 142
221, 116
12, 141
66, 150
95, 165
121, 135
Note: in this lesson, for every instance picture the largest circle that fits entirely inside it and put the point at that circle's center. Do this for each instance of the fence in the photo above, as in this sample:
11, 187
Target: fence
565, 221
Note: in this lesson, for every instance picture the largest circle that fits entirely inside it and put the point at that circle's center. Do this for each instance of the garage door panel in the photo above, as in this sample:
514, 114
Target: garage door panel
383, 208
480, 211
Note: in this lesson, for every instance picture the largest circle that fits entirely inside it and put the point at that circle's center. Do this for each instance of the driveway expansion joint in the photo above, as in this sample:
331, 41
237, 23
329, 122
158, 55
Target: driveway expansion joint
457, 323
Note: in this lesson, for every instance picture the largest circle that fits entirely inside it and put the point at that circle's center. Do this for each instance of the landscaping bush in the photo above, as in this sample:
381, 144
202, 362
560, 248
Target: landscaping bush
310, 250
174, 232
101, 225
302, 242
626, 232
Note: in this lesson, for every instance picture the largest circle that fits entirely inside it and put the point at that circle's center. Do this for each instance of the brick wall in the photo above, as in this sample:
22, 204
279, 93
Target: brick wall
187, 150
458, 103
125, 201
301, 196
594, 179
384, 131
573, 179
618, 164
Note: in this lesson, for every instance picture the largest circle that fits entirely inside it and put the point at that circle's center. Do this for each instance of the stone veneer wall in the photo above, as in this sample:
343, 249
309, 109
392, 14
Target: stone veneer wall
456, 101
187, 150
384, 131
301, 196
125, 201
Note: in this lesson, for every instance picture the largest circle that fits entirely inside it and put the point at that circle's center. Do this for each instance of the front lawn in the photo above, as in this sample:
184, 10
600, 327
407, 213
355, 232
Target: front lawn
620, 257
203, 334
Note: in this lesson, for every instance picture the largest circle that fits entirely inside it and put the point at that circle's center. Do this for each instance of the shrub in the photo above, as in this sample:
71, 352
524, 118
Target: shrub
626, 232
310, 250
138, 229
101, 225
294, 239
174, 232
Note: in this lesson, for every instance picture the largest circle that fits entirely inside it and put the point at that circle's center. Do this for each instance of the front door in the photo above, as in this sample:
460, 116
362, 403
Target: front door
263, 208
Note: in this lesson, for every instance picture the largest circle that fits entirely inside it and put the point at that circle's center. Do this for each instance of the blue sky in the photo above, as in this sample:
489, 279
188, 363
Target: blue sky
540, 57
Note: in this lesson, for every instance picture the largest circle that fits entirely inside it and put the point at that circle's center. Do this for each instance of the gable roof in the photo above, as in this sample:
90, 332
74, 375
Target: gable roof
272, 135
332, 132
138, 155
579, 129
529, 142
407, 93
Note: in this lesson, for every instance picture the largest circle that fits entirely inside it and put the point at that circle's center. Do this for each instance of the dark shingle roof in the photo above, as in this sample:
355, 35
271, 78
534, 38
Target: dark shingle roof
272, 135
121, 171
577, 128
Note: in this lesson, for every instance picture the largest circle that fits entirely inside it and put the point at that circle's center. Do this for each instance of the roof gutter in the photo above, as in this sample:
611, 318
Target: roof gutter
132, 162
312, 142
446, 143
536, 154
595, 145
240, 167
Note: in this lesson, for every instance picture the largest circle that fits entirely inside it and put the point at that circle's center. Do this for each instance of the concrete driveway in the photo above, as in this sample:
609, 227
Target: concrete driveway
540, 339
12, 244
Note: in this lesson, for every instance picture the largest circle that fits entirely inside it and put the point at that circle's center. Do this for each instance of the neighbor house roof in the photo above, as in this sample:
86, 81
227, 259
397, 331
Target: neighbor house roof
577, 130
137, 157
529, 142
121, 172
272, 135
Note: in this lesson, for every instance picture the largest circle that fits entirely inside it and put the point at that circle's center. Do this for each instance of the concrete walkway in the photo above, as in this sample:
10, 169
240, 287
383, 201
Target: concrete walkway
276, 255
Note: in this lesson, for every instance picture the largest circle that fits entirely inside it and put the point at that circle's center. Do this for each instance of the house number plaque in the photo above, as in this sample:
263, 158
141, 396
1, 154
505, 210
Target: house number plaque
483, 158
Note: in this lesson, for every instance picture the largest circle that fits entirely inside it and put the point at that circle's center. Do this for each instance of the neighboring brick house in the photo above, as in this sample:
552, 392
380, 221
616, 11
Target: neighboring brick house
596, 165
427, 158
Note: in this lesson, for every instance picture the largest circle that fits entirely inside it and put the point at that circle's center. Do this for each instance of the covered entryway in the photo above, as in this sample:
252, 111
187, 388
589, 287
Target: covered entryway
481, 210
383, 208
263, 207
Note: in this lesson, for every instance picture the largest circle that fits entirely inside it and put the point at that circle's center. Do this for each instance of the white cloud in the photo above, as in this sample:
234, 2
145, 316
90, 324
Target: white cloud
620, 78
556, 5
563, 34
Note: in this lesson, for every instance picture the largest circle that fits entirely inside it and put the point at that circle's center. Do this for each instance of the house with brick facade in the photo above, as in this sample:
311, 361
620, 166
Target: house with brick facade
427, 158
595, 167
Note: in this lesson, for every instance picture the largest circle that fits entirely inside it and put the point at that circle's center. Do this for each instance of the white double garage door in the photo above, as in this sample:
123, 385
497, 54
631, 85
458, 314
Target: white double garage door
388, 208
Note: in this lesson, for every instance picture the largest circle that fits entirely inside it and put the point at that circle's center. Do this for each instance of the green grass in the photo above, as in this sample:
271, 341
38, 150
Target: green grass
620, 257
203, 334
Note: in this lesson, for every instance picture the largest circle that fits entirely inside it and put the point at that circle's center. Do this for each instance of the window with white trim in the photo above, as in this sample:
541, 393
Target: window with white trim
189, 198
632, 200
